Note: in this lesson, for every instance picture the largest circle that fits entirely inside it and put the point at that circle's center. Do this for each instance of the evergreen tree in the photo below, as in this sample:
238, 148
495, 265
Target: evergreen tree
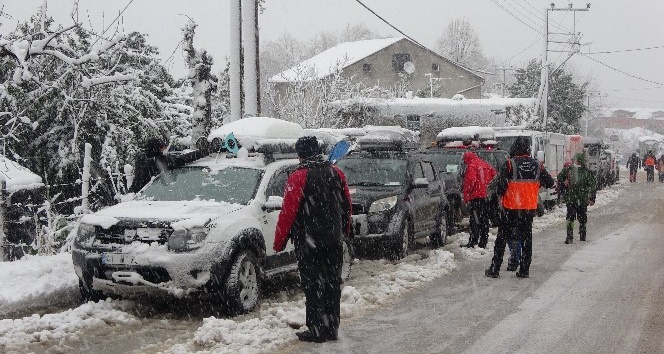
566, 104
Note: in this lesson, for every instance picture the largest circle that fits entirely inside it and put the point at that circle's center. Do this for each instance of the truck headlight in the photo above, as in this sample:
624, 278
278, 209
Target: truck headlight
382, 205
86, 233
187, 239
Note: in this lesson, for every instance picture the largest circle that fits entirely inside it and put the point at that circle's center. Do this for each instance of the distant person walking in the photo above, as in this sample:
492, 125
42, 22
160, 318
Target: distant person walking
316, 215
649, 165
581, 189
518, 188
660, 168
633, 164
475, 181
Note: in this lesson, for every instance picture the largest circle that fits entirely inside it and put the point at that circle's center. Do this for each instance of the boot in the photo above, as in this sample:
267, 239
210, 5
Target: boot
492, 272
570, 232
582, 231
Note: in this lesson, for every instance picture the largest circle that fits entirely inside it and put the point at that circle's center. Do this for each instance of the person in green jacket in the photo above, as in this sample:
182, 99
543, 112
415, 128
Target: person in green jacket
581, 189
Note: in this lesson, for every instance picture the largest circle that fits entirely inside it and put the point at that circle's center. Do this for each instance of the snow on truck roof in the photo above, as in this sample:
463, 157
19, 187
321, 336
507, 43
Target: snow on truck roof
464, 133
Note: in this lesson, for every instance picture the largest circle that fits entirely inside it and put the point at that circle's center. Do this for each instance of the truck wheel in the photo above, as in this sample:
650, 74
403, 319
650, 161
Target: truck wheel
243, 285
89, 294
402, 243
439, 238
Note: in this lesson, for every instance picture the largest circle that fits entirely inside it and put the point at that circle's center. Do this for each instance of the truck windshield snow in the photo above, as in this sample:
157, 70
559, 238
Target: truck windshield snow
374, 171
232, 185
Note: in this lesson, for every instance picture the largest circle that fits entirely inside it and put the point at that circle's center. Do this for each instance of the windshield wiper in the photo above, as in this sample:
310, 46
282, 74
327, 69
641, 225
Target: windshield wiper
366, 184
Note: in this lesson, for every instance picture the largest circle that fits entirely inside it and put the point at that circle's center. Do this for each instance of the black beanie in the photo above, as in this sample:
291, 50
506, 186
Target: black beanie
520, 147
307, 147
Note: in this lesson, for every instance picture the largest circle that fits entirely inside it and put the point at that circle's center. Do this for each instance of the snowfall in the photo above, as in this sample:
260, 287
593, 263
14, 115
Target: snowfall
35, 283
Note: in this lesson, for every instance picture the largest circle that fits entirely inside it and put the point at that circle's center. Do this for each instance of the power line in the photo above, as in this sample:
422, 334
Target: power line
634, 99
516, 17
622, 72
524, 16
112, 22
388, 23
636, 89
627, 50
537, 39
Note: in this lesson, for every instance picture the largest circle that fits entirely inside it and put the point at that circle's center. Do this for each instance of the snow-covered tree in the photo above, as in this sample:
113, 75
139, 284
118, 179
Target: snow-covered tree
460, 43
203, 83
566, 101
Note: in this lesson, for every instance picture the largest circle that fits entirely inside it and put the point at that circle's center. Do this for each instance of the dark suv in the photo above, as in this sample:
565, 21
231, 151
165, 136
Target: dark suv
397, 197
448, 161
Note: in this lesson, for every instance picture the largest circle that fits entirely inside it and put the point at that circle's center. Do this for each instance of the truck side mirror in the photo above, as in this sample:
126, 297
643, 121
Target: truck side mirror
273, 203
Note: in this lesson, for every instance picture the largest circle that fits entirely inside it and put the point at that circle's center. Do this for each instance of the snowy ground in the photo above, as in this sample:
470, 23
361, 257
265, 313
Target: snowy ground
40, 282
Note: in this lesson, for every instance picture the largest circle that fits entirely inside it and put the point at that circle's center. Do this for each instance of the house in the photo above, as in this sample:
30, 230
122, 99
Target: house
386, 63
627, 118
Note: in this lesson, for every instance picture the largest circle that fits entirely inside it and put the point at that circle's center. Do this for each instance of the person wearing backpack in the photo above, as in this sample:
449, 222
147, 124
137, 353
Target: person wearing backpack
649, 165
633, 164
580, 187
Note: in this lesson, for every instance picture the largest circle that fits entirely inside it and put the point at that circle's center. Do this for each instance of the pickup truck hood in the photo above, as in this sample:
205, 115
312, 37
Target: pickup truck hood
167, 210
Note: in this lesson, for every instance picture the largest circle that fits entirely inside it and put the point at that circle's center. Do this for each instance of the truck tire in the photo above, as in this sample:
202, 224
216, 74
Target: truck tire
242, 288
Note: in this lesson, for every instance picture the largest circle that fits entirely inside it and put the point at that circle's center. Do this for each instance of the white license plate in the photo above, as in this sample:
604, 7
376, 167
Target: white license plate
117, 259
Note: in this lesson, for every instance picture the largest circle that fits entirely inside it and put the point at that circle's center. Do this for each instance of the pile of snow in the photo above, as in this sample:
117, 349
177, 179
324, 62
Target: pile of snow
464, 133
17, 177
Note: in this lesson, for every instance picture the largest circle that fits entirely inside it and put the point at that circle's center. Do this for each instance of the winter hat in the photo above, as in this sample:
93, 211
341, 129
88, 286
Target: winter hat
521, 146
307, 147
153, 147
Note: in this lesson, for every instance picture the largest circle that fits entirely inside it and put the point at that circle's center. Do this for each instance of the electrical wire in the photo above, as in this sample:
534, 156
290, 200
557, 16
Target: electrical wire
626, 50
622, 72
388, 23
635, 89
535, 23
112, 22
516, 17
537, 39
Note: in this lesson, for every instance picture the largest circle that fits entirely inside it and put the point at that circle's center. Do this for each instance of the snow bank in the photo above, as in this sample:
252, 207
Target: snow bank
17, 176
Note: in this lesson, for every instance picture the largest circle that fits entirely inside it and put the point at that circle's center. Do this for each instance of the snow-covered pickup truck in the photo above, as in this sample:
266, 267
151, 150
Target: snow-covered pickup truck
206, 227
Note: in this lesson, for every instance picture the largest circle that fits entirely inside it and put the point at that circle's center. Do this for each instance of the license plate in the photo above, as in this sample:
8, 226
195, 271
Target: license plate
117, 259
148, 234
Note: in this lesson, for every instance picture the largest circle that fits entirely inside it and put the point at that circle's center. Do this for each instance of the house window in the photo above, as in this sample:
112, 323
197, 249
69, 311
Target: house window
435, 67
366, 67
398, 59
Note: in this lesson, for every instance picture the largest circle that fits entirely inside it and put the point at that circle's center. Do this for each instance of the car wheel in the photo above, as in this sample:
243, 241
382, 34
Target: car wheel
402, 245
243, 286
439, 239
89, 294
347, 260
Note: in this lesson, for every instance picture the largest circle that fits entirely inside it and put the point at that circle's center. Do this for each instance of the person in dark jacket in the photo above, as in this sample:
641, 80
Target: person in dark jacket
316, 216
581, 189
518, 188
475, 181
155, 159
660, 168
633, 164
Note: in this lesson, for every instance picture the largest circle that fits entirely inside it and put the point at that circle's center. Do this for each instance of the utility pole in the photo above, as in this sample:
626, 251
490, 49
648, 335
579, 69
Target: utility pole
544, 88
502, 85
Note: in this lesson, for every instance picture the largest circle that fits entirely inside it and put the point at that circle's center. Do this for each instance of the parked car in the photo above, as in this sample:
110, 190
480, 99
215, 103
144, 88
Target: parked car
207, 227
397, 197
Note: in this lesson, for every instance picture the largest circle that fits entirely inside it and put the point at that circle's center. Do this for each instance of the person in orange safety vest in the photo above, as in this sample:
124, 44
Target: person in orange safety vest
518, 187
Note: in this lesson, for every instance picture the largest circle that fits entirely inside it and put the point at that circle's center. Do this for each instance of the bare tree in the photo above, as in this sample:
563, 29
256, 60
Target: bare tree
460, 43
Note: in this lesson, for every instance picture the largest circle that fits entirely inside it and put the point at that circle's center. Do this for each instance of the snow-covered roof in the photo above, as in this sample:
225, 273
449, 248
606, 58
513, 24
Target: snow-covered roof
250, 131
639, 113
333, 59
17, 177
423, 106
653, 138
463, 133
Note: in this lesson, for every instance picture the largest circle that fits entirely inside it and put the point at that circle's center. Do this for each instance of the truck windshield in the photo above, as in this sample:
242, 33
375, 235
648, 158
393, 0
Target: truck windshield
374, 171
448, 161
232, 185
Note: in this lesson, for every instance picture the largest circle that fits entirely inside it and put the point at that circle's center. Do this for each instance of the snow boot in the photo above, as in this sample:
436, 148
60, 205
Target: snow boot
492, 272
582, 231
570, 232
523, 274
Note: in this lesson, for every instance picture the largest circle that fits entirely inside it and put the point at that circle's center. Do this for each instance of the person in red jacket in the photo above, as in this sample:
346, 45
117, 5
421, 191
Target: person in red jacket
475, 181
316, 216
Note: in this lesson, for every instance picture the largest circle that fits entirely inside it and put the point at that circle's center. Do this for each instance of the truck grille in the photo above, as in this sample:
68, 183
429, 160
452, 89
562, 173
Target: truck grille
121, 235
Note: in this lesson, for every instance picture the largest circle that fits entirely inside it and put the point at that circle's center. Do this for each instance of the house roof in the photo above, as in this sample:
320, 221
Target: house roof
16, 176
638, 113
328, 61
340, 57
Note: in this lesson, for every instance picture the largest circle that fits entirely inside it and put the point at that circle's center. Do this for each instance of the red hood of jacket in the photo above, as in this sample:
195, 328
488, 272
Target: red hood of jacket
477, 177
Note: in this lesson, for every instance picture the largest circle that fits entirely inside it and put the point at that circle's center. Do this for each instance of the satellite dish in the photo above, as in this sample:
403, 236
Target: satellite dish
409, 67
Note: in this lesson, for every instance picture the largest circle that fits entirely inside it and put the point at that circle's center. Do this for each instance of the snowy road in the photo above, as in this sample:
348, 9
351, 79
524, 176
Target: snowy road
432, 301
602, 296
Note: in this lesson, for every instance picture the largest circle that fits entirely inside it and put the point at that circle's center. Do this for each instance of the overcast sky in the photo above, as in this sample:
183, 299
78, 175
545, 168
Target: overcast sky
505, 27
